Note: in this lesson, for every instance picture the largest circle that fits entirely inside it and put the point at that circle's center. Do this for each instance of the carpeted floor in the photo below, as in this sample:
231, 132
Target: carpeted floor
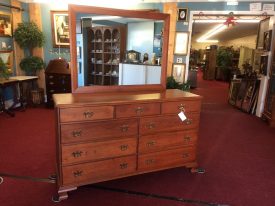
236, 149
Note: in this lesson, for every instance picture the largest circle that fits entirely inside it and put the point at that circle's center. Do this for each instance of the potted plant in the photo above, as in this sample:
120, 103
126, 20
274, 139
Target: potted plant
224, 63
28, 36
4, 70
171, 83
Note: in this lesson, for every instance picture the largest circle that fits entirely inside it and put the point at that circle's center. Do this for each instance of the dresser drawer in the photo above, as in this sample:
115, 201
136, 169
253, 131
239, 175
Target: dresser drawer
150, 125
157, 142
177, 107
86, 113
98, 130
98, 171
165, 159
98, 150
135, 110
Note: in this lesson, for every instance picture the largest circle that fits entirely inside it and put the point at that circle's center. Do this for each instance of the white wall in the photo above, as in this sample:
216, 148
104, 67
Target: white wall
140, 37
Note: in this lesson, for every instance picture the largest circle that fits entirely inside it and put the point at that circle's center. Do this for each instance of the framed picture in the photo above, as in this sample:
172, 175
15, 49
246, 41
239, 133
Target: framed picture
178, 72
5, 25
267, 40
257, 59
233, 91
78, 52
60, 28
181, 43
249, 96
182, 14
263, 65
263, 26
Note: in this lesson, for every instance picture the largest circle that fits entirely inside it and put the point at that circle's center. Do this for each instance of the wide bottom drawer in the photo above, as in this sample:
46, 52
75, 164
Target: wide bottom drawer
98, 171
163, 159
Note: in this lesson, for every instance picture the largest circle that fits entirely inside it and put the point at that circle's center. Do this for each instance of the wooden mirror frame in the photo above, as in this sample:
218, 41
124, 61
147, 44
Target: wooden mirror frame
74, 9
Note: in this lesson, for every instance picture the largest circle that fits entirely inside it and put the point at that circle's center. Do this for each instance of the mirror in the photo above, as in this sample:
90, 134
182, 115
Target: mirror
117, 50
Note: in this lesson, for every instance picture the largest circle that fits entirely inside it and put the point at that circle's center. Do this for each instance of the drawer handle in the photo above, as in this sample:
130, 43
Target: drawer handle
151, 125
124, 147
51, 83
77, 153
76, 133
51, 76
151, 143
88, 114
123, 165
182, 107
78, 173
150, 161
185, 155
52, 90
188, 121
124, 128
187, 138
139, 110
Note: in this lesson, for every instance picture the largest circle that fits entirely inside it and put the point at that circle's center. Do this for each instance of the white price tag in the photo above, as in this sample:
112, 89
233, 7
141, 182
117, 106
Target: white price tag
182, 116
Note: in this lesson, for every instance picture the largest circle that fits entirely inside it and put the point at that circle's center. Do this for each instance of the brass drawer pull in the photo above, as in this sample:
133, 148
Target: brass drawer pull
50, 76
150, 144
77, 133
123, 165
124, 147
187, 138
185, 155
188, 121
124, 128
78, 173
181, 107
51, 83
52, 90
77, 153
150, 161
88, 114
139, 110
151, 125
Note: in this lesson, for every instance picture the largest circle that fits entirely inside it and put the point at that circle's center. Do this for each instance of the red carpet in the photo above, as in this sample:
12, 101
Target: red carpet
236, 149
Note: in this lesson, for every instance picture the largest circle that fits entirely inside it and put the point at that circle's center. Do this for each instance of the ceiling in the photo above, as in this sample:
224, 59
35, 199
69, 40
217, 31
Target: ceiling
237, 31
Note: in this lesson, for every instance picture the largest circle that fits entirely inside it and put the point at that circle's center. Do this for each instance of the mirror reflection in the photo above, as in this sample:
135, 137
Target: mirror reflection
113, 50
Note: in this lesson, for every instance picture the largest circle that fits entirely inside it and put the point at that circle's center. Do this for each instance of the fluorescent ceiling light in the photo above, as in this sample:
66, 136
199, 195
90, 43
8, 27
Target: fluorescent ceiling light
101, 3
232, 3
207, 41
104, 17
212, 32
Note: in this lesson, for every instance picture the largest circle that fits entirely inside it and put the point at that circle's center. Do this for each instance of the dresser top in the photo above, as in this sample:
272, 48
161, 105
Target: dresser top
122, 97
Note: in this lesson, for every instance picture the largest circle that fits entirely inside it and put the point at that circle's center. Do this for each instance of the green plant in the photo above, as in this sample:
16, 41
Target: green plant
32, 64
224, 61
29, 36
171, 83
4, 71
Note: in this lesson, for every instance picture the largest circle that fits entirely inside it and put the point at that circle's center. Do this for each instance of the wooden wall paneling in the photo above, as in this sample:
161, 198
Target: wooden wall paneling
18, 52
35, 16
171, 8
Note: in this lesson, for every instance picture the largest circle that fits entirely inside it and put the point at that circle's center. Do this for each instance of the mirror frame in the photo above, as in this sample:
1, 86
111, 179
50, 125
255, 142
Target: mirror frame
74, 9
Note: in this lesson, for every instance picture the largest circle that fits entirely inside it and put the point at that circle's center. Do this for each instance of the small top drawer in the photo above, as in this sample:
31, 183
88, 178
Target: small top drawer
134, 110
86, 113
177, 107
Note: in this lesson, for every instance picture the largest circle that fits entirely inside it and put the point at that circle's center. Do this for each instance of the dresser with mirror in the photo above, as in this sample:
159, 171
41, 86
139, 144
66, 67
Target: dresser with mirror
106, 130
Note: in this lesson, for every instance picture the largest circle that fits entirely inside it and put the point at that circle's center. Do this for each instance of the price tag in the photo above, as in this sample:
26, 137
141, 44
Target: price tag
182, 116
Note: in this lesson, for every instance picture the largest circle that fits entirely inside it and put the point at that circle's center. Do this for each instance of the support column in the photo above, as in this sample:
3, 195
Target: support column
171, 8
35, 16
18, 52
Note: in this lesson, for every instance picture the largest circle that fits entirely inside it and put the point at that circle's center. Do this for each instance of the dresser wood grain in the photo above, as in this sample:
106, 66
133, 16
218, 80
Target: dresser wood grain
108, 136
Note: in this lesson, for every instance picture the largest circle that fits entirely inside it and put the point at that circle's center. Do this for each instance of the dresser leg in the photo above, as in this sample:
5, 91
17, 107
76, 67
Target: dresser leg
62, 193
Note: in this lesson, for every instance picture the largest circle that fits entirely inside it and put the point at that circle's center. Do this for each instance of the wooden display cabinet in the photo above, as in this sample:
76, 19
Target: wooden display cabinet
106, 46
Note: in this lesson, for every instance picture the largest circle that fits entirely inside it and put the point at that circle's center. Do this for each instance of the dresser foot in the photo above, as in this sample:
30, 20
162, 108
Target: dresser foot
62, 193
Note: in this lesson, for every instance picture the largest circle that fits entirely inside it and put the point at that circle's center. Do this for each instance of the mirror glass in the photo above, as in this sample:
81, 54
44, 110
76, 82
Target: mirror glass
116, 50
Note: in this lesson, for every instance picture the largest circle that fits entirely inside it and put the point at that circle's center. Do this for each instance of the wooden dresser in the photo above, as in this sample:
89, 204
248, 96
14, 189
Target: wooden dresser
107, 136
